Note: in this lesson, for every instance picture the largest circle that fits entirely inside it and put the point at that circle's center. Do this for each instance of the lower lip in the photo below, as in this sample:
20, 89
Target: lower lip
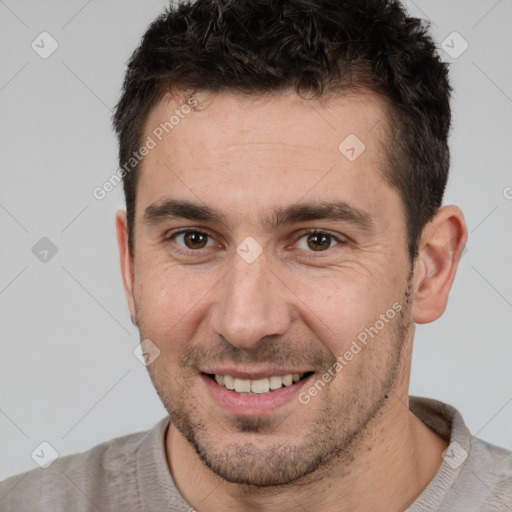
253, 405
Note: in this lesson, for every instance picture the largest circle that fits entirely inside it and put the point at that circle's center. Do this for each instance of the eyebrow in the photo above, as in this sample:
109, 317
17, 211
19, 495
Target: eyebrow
169, 209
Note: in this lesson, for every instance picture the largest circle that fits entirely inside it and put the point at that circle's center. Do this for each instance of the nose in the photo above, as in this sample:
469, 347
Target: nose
251, 304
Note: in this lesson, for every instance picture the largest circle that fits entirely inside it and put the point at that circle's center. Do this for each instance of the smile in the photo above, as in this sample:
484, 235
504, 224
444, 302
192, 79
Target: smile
253, 397
257, 386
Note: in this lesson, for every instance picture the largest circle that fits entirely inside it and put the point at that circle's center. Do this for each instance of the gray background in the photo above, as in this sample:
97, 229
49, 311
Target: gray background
68, 375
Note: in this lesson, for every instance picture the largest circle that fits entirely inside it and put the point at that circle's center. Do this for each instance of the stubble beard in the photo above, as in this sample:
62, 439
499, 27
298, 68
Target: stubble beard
329, 440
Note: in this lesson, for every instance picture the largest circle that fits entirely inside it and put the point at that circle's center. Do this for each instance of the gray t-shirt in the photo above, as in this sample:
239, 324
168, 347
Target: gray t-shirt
130, 474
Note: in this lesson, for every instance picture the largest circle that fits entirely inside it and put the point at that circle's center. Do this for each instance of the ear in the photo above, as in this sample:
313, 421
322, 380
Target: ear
126, 262
442, 243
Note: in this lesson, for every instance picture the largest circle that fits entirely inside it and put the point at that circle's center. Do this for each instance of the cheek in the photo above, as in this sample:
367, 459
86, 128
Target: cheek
170, 303
332, 293
339, 306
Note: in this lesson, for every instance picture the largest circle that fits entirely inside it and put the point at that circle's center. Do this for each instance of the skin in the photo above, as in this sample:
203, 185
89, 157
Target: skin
355, 445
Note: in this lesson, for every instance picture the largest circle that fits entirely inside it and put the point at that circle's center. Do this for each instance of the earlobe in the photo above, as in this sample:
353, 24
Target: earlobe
126, 262
442, 243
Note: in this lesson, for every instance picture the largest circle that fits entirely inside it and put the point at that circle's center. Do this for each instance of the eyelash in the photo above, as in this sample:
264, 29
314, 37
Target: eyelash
301, 234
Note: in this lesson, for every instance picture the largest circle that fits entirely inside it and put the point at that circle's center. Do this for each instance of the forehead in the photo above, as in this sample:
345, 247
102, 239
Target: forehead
266, 149
251, 119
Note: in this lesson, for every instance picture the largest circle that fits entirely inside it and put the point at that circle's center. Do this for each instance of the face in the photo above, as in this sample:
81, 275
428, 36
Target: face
263, 250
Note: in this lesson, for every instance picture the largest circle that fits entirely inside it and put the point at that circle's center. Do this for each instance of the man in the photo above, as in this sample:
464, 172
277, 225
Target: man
284, 164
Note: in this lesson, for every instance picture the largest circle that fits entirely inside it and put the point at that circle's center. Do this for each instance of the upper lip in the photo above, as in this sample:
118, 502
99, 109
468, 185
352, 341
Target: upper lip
253, 374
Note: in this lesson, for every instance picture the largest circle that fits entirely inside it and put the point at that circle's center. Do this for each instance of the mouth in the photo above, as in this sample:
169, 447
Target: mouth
240, 396
257, 386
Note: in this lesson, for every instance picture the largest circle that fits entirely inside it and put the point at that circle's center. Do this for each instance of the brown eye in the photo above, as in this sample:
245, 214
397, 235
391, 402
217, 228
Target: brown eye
317, 241
195, 239
191, 240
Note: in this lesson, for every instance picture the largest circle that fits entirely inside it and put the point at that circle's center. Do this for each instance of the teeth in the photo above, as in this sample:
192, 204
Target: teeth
242, 385
229, 381
257, 386
275, 382
288, 379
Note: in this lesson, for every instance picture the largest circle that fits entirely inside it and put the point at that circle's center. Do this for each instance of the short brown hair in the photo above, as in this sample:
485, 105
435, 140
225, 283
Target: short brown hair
316, 47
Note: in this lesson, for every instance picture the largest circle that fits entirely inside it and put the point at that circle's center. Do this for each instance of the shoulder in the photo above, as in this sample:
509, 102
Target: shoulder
484, 480
492, 467
475, 474
82, 481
